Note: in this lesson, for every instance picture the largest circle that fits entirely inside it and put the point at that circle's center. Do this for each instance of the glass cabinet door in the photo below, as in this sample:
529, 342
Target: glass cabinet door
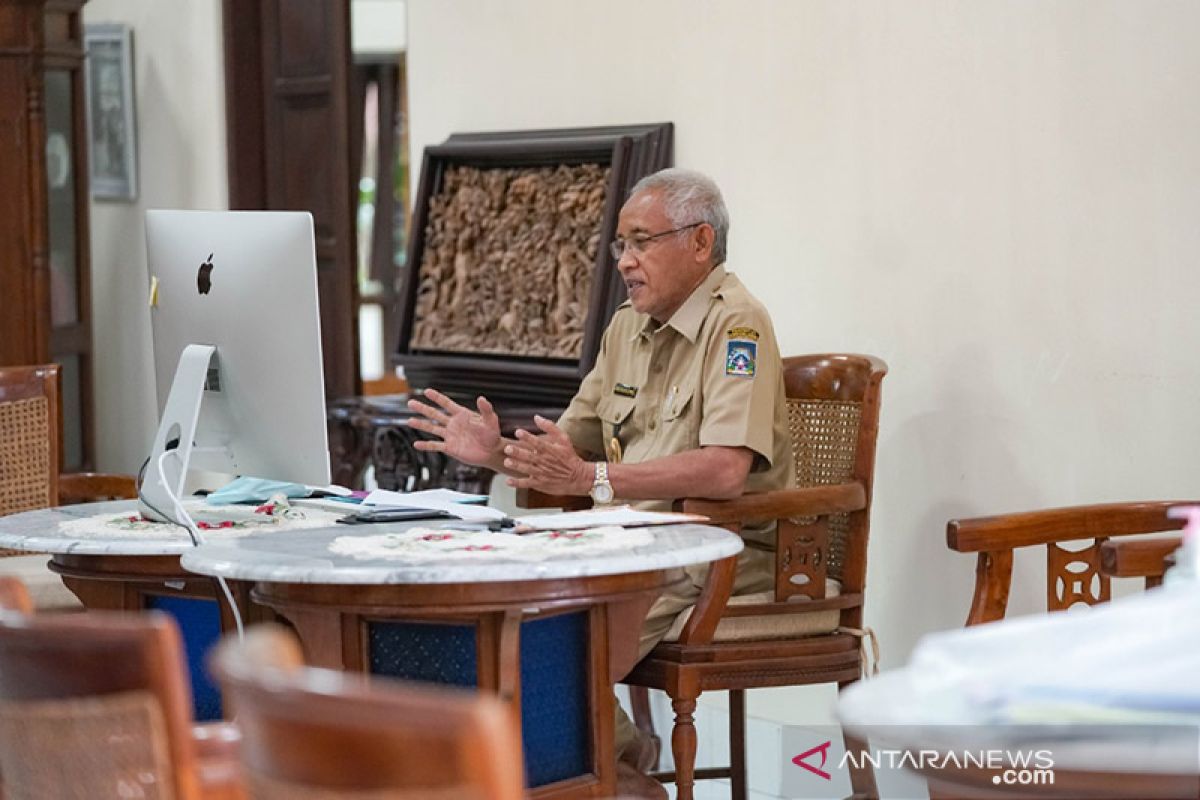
70, 337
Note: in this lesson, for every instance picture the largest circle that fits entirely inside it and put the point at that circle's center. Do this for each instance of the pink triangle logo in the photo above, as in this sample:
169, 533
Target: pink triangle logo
823, 749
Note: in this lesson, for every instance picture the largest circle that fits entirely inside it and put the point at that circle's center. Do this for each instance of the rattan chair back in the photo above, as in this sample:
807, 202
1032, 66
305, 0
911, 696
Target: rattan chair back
827, 397
29, 438
94, 705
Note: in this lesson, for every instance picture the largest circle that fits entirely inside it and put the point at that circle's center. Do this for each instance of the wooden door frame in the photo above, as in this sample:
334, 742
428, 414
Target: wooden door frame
252, 53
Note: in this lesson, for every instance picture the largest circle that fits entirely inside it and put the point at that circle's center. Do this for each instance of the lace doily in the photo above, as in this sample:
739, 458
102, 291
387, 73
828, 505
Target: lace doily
219, 521
440, 544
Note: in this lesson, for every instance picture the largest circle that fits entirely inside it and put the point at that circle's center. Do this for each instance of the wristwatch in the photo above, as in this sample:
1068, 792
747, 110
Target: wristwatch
602, 491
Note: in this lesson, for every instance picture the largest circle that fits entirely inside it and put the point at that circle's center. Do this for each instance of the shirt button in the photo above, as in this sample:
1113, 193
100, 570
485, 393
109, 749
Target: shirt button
653, 424
657, 369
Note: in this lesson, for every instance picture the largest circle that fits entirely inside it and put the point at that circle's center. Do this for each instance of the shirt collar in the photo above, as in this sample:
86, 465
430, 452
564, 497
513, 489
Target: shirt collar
688, 318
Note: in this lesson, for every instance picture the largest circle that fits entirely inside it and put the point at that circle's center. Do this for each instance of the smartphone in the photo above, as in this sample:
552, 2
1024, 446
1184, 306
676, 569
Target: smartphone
393, 515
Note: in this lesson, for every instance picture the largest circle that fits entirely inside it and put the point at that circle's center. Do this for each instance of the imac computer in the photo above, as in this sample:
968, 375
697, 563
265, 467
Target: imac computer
237, 351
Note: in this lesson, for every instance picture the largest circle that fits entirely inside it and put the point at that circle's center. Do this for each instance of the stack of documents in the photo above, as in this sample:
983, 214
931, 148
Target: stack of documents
622, 516
458, 504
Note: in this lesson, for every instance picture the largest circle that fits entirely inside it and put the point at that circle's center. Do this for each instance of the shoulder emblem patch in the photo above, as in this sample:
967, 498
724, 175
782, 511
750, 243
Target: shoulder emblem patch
746, 334
625, 390
739, 358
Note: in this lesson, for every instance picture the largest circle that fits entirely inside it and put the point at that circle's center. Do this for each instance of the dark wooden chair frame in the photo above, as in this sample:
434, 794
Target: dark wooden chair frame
98, 653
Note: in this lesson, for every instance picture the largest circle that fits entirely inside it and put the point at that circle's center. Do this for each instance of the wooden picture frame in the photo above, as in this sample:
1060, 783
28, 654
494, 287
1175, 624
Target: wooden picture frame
628, 153
112, 121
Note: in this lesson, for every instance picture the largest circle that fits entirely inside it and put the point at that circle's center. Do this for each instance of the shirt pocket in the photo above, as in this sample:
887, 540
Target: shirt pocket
678, 409
616, 418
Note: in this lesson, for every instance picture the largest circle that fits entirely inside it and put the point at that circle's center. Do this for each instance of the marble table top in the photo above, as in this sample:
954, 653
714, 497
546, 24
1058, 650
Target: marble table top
38, 532
304, 557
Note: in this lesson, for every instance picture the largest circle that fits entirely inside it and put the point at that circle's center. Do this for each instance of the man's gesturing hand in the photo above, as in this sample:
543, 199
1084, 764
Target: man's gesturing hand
548, 461
470, 437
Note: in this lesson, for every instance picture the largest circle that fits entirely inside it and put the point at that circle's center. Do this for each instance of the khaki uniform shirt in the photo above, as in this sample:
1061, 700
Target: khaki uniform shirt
711, 375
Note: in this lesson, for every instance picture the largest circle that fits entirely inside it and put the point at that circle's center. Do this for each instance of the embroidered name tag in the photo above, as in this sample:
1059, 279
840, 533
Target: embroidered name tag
739, 358
745, 334
625, 390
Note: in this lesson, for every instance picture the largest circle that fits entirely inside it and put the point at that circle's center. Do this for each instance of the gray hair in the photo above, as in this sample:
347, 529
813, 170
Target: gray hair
690, 197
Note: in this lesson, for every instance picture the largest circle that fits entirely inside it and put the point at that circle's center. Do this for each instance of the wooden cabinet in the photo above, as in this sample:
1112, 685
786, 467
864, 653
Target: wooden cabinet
45, 305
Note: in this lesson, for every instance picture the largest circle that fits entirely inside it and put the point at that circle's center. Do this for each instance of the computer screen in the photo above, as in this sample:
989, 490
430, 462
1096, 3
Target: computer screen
244, 284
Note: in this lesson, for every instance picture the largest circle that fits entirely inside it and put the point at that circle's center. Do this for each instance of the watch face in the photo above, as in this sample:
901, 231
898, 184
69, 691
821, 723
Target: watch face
602, 493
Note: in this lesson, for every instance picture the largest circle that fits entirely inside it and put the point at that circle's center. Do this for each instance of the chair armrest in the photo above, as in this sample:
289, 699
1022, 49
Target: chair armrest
532, 498
1138, 558
808, 501
710, 605
1007, 531
89, 487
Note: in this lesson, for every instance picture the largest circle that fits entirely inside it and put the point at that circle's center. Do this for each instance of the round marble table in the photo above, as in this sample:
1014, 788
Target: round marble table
551, 632
134, 570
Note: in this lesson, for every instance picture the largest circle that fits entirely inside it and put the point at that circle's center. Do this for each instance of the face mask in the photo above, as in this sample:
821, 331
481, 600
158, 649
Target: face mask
255, 490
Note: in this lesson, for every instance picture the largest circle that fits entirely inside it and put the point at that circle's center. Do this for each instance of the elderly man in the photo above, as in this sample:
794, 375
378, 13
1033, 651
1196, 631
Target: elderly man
686, 398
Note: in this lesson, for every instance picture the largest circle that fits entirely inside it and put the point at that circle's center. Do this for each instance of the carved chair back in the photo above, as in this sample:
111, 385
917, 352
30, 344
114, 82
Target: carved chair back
94, 705
1080, 553
833, 416
310, 733
29, 438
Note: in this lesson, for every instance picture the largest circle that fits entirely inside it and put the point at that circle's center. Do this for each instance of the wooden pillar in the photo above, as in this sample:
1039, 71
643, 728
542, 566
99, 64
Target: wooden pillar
24, 275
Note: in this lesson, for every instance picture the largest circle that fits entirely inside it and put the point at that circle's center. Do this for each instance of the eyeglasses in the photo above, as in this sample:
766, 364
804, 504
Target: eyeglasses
637, 244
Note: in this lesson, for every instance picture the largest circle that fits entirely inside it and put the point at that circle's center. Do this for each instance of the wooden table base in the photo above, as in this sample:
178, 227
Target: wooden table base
523, 640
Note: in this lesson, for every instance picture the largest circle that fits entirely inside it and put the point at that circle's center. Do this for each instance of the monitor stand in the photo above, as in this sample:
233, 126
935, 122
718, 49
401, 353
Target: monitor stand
176, 431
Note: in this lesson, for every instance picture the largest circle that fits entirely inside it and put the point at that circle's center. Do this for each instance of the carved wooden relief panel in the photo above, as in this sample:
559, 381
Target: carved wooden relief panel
509, 259
510, 283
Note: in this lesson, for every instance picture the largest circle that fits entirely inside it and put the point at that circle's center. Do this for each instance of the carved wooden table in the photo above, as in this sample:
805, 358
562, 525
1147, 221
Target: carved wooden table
551, 634
373, 431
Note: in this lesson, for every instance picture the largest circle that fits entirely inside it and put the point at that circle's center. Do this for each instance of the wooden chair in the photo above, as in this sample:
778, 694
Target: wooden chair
313, 733
808, 630
97, 705
1072, 576
29, 438
30, 447
14, 596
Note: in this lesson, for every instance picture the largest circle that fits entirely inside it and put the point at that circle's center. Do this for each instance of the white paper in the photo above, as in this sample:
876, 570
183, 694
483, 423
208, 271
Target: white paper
383, 497
623, 516
435, 499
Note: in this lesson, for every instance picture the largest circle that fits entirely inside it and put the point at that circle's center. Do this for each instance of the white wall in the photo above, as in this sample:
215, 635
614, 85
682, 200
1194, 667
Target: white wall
997, 198
180, 92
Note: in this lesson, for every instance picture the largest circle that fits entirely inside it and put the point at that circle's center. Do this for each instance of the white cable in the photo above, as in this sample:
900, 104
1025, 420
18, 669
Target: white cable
197, 539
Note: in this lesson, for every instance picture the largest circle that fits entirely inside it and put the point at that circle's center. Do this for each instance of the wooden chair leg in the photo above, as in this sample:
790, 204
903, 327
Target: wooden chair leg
683, 745
639, 699
737, 744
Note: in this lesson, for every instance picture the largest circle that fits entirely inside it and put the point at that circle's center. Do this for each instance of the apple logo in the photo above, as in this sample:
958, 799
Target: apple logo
203, 277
